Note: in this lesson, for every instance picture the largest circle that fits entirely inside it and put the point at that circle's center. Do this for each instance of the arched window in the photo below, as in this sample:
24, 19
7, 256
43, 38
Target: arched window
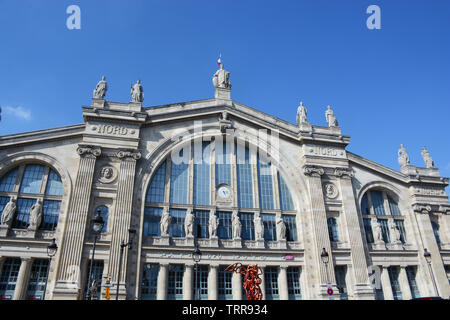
382, 205
104, 213
28, 183
190, 178
437, 235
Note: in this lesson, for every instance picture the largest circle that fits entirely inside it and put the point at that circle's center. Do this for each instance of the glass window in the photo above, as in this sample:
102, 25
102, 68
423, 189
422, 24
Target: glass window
333, 231
176, 228
179, 182
8, 278
38, 279
377, 202
8, 180
175, 283
271, 283
365, 205
395, 284
265, 185
368, 230
291, 227
21, 219
286, 202
201, 284
225, 285
270, 232
293, 279
401, 227
155, 191
152, 219
201, 224
224, 230
244, 180
385, 230
437, 235
54, 184
340, 272
393, 207
3, 202
93, 287
223, 163
149, 281
248, 226
411, 273
50, 209
32, 178
202, 190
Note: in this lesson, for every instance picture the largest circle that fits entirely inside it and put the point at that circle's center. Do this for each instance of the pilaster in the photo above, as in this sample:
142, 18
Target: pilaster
188, 282
236, 280
212, 282
161, 293
22, 279
283, 284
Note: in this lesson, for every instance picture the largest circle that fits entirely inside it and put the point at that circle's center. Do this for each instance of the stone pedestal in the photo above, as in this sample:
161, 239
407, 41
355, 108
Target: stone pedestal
222, 94
164, 241
237, 243
379, 246
282, 244
189, 241
214, 242
260, 243
4, 230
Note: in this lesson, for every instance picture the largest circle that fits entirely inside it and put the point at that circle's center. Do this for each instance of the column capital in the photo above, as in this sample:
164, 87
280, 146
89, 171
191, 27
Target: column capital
313, 171
89, 151
126, 154
343, 173
421, 208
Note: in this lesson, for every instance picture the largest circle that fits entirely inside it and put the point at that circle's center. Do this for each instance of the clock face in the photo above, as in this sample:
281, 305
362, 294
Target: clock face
224, 192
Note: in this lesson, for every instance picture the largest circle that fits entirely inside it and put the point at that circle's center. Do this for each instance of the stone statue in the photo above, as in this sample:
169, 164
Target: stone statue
301, 113
394, 232
376, 230
213, 224
259, 227
189, 223
427, 158
331, 119
8, 212
403, 158
221, 78
236, 225
165, 222
280, 227
100, 89
137, 92
35, 215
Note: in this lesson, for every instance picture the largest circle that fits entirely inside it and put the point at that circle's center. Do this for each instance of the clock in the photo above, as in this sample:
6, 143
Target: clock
224, 193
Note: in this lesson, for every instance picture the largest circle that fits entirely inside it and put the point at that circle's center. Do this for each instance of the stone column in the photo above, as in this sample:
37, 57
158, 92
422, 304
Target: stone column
283, 283
236, 280
22, 279
361, 288
429, 243
212, 282
386, 284
68, 283
121, 219
188, 285
404, 284
318, 217
161, 291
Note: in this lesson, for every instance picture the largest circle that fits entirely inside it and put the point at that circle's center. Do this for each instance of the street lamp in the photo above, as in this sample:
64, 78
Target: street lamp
325, 259
52, 248
427, 256
97, 226
196, 256
129, 244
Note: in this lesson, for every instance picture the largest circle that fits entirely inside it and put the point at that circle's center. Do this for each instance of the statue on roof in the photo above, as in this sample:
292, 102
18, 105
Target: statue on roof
301, 113
427, 158
331, 119
221, 78
403, 158
137, 92
100, 89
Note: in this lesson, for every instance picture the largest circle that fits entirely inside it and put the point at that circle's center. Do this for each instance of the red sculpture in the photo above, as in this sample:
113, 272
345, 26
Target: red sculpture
251, 279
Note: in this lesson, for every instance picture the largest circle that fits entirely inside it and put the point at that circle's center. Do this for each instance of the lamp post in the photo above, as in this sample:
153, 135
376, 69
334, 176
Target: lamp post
129, 244
52, 248
325, 259
196, 256
97, 226
427, 256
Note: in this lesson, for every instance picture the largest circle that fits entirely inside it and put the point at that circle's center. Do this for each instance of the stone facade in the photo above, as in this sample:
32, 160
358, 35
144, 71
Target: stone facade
111, 158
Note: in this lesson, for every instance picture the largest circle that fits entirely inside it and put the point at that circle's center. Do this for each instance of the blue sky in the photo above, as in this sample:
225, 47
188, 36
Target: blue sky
386, 87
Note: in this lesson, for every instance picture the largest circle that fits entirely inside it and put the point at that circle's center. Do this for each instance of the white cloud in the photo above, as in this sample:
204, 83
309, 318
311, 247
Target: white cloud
18, 112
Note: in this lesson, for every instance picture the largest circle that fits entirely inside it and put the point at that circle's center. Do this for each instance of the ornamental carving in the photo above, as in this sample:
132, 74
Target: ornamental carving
343, 172
331, 192
313, 171
136, 155
107, 174
89, 151
421, 208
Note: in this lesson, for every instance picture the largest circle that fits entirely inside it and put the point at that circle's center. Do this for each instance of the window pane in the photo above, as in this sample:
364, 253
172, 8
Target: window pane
225, 285
175, 283
50, 211
291, 227
411, 273
365, 205
201, 224
368, 230
293, 278
271, 283
401, 227
265, 185
96, 280
152, 219
437, 235
393, 206
21, 219
155, 191
393, 276
149, 282
8, 278
385, 230
176, 228
270, 233
54, 184
244, 180
179, 182
333, 229
223, 163
202, 190
200, 286
286, 202
8, 180
377, 202
38, 279
224, 230
248, 227
32, 178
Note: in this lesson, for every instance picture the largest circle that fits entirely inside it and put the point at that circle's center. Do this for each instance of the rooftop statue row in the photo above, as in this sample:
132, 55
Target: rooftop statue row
137, 91
329, 115
403, 157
